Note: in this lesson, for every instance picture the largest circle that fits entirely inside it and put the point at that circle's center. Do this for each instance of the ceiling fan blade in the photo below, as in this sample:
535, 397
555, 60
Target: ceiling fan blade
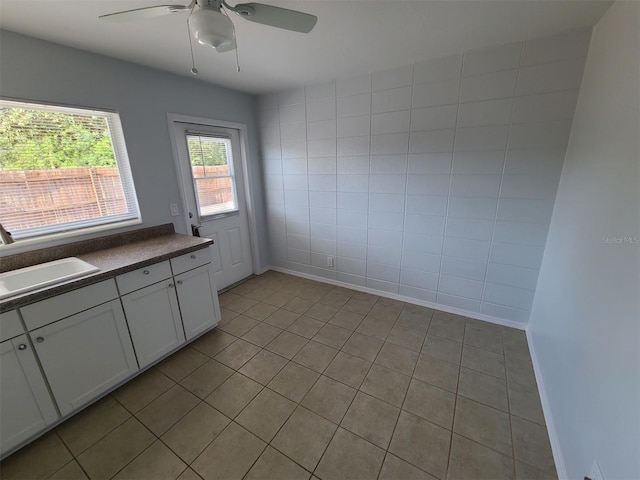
277, 17
140, 13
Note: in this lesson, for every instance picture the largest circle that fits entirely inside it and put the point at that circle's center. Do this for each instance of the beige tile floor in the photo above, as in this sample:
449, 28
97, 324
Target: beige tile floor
305, 380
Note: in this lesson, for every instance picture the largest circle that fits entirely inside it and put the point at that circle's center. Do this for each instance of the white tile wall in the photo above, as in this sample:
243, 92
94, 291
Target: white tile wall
489, 86
430, 163
435, 180
433, 118
391, 100
390, 122
489, 112
321, 130
435, 93
432, 141
354, 126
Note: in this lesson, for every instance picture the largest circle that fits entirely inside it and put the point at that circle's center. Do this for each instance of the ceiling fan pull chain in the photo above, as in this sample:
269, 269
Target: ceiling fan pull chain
194, 70
237, 61
235, 39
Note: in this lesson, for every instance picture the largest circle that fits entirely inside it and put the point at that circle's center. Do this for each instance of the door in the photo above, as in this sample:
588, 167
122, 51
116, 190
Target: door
198, 300
27, 407
154, 321
85, 354
212, 178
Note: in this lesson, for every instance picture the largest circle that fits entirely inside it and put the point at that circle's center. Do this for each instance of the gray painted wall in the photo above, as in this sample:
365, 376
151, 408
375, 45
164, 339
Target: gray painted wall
435, 181
585, 322
32, 69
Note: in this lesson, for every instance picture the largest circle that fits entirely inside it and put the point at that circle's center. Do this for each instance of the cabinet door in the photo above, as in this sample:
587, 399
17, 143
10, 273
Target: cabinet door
154, 321
27, 407
85, 354
198, 300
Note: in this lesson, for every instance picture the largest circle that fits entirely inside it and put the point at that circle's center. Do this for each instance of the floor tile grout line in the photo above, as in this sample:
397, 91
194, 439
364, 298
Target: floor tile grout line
395, 426
73, 460
488, 447
455, 405
513, 447
56, 429
157, 439
259, 455
358, 389
178, 420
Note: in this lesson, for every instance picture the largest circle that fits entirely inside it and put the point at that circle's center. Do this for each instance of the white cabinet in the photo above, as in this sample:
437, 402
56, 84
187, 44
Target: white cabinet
85, 345
198, 300
154, 321
85, 354
26, 406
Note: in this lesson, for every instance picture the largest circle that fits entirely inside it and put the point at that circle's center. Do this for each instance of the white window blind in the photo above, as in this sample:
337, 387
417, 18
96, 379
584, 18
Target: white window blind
62, 169
212, 170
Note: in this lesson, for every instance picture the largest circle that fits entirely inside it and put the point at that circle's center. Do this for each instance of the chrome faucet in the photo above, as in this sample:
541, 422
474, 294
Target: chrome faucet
5, 236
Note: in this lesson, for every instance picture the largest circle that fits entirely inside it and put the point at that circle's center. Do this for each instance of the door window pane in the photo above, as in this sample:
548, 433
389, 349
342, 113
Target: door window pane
212, 169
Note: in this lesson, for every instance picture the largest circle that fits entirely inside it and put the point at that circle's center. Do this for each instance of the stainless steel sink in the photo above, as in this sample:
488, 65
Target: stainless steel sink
39, 276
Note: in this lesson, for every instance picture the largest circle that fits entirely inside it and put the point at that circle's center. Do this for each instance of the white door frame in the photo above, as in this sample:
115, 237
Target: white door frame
172, 118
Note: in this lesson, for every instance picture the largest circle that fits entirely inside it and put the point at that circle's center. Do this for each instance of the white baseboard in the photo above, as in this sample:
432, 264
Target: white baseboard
402, 298
556, 448
264, 270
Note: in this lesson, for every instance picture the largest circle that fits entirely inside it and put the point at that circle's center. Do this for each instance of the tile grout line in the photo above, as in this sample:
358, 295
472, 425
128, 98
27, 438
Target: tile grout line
395, 426
506, 383
453, 149
502, 173
455, 400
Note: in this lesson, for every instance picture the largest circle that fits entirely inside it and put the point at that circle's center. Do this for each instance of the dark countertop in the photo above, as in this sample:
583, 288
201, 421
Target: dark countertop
115, 261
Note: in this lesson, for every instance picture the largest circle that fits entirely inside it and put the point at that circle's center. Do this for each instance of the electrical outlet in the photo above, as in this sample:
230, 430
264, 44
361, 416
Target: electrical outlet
330, 262
174, 209
595, 473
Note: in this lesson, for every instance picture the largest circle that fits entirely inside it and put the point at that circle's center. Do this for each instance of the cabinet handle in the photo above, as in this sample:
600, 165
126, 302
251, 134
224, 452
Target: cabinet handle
146, 272
39, 339
179, 282
22, 346
193, 256
171, 285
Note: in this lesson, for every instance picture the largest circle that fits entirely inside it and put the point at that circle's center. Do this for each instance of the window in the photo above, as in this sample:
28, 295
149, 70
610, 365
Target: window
212, 171
62, 169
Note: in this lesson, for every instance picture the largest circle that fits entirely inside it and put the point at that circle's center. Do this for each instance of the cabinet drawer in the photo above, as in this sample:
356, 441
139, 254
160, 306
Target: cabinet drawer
190, 260
10, 325
55, 308
143, 277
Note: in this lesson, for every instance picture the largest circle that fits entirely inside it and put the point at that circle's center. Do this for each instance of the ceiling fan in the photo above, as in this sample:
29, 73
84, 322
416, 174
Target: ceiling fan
210, 24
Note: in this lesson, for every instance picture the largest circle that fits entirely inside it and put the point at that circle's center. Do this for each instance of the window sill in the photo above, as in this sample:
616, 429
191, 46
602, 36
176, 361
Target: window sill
53, 239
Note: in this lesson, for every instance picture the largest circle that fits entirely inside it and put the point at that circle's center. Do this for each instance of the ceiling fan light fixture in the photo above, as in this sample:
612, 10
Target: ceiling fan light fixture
212, 28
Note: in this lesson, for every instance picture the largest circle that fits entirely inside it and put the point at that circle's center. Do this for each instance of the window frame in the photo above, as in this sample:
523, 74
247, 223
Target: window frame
51, 233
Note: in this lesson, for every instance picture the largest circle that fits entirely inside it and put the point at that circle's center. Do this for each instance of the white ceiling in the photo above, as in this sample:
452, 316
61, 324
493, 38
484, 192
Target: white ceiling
350, 38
